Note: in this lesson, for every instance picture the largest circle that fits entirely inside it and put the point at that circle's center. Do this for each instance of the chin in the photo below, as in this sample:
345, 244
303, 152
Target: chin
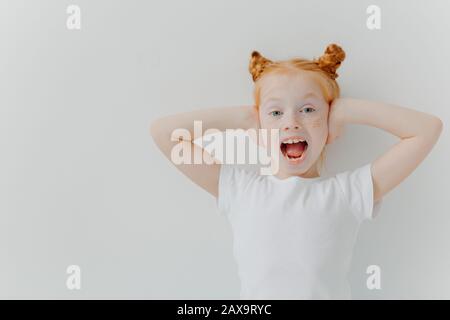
294, 167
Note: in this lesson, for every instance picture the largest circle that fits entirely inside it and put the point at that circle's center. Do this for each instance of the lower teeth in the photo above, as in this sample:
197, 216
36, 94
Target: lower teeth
293, 158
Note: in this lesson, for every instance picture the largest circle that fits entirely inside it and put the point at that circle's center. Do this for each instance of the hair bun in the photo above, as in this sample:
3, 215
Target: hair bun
257, 64
331, 60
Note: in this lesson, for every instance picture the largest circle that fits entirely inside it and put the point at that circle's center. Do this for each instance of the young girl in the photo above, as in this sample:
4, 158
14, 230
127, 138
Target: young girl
294, 231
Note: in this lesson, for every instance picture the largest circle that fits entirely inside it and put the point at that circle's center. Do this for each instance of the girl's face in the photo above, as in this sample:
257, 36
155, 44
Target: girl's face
294, 104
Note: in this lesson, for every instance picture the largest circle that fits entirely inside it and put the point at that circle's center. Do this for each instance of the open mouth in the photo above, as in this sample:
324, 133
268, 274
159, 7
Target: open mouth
294, 149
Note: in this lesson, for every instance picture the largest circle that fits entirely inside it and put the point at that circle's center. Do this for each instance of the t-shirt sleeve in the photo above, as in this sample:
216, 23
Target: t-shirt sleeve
223, 194
232, 182
357, 188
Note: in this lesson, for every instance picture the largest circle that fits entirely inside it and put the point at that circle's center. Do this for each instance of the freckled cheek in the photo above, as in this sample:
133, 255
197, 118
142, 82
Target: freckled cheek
318, 130
318, 123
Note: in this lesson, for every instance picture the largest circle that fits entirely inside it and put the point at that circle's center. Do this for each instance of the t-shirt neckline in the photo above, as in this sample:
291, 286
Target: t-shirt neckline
298, 178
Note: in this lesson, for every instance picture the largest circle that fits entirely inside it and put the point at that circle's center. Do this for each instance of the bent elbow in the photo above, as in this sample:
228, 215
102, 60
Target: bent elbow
433, 128
438, 126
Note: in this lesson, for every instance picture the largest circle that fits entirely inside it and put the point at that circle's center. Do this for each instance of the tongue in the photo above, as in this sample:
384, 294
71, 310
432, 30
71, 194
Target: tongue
295, 149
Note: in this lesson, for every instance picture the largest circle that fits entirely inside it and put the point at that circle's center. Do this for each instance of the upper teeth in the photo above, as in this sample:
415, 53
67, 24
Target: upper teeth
293, 141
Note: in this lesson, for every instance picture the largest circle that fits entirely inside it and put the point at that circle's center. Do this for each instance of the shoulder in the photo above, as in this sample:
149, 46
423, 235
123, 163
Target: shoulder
232, 176
354, 174
234, 183
356, 186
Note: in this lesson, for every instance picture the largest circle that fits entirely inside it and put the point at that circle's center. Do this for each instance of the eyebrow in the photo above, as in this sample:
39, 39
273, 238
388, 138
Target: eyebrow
308, 95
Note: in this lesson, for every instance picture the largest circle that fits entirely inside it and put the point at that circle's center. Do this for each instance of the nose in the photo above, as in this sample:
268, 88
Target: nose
292, 122
292, 126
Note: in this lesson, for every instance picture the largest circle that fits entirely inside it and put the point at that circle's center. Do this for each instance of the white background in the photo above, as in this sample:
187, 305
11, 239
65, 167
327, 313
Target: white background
81, 181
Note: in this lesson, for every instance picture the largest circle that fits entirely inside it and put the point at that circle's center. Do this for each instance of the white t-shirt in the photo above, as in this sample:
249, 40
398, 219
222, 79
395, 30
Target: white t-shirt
294, 238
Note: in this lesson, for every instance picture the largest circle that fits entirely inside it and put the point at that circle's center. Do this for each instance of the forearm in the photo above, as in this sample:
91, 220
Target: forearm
400, 121
235, 117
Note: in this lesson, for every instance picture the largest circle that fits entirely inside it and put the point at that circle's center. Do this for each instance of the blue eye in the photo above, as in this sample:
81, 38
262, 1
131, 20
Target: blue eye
310, 109
275, 113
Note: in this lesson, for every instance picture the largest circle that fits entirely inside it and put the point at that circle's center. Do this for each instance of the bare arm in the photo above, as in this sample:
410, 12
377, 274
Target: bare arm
418, 133
205, 175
